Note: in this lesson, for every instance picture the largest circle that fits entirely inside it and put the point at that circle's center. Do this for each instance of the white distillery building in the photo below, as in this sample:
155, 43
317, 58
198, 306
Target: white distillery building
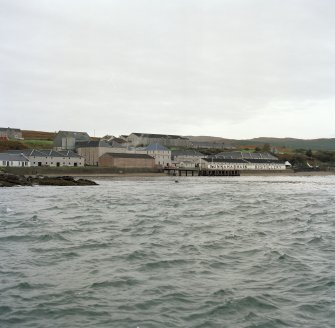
186, 158
66, 140
49, 157
244, 161
14, 160
161, 154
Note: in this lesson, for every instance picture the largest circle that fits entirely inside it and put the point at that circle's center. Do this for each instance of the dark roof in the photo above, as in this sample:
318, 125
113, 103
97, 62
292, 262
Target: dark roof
208, 143
119, 140
223, 160
45, 152
156, 146
115, 144
75, 134
10, 129
127, 155
161, 136
92, 144
13, 157
187, 152
264, 161
246, 155
240, 160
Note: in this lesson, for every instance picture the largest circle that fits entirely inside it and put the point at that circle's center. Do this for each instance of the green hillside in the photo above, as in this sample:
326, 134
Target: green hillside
314, 144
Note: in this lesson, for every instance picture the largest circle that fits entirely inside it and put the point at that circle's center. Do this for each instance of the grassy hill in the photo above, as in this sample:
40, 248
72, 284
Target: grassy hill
314, 144
292, 143
208, 139
37, 135
38, 139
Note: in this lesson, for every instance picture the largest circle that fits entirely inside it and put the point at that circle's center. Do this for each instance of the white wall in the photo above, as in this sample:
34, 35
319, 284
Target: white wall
14, 164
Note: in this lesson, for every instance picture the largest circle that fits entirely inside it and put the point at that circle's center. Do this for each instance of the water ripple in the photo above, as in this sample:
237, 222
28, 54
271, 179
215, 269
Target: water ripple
146, 252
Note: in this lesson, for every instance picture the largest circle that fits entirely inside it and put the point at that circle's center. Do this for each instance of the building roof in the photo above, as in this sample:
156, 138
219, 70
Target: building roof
214, 159
246, 155
223, 160
119, 140
13, 157
115, 144
45, 153
92, 144
127, 155
10, 129
74, 134
254, 160
186, 152
158, 136
156, 146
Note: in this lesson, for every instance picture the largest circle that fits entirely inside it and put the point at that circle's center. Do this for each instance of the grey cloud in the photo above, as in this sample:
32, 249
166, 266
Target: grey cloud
188, 67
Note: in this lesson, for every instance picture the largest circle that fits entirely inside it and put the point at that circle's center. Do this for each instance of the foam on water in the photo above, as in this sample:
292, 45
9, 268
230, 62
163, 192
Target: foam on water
147, 252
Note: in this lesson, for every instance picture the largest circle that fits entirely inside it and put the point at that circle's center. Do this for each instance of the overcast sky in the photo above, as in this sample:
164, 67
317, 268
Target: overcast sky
228, 68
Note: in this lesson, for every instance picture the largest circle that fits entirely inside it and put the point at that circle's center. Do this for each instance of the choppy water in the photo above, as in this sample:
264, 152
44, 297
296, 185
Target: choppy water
204, 252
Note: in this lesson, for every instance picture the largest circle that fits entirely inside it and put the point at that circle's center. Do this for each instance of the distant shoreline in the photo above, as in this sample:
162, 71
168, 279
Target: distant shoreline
150, 174
106, 172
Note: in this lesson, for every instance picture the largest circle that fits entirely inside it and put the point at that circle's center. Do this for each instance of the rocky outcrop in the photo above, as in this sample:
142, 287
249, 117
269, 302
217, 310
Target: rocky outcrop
11, 180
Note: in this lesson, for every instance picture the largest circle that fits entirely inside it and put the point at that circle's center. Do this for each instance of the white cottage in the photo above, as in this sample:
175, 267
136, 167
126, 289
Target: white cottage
14, 160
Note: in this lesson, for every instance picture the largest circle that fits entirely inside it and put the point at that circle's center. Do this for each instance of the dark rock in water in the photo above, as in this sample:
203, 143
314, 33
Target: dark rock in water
10, 180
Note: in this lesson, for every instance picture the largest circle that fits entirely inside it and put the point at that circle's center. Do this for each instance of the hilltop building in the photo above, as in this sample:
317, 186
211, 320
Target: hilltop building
211, 145
112, 140
66, 140
167, 140
10, 134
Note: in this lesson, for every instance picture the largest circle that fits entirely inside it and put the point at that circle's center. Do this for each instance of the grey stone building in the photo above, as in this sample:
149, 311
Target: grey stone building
212, 145
167, 140
10, 134
66, 140
189, 157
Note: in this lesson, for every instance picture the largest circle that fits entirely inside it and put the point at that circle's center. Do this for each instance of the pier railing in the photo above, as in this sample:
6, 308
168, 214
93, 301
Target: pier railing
196, 171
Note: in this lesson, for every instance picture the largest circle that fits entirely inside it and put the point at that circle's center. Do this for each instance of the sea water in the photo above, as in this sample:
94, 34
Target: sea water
150, 252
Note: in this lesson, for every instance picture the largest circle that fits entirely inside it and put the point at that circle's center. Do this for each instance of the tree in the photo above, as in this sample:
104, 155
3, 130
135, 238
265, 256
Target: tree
309, 153
266, 147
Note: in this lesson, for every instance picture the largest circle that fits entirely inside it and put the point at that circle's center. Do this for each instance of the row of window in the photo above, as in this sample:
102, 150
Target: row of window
10, 163
46, 163
272, 166
47, 157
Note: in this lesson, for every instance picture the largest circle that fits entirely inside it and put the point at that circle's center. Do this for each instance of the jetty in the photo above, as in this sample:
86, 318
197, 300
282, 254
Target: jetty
196, 171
